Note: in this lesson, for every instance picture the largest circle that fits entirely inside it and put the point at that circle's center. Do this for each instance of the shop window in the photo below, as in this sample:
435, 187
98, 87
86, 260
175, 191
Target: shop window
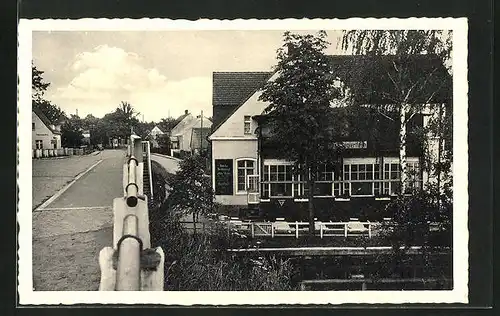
361, 177
392, 175
244, 169
278, 180
369, 179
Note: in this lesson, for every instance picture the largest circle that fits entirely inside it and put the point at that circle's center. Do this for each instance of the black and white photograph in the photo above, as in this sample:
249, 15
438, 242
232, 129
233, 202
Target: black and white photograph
307, 161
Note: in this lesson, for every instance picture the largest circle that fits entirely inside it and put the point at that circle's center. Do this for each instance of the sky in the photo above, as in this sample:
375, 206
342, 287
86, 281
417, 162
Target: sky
160, 73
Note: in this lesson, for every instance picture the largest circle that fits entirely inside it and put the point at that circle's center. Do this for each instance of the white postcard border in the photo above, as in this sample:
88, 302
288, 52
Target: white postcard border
459, 294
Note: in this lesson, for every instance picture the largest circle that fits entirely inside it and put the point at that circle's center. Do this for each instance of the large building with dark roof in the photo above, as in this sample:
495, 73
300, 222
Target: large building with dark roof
250, 171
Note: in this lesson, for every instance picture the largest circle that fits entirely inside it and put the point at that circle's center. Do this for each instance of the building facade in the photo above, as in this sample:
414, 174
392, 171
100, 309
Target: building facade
44, 134
188, 134
154, 136
250, 171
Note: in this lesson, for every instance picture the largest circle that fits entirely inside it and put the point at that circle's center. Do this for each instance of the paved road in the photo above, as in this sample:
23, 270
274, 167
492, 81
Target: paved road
50, 175
69, 232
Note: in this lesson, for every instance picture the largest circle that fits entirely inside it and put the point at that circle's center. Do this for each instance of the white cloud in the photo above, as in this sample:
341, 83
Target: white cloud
108, 75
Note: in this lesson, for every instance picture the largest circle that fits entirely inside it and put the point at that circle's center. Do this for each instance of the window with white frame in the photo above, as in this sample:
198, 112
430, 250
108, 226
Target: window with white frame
391, 172
366, 179
280, 180
245, 167
247, 125
277, 180
38, 144
360, 179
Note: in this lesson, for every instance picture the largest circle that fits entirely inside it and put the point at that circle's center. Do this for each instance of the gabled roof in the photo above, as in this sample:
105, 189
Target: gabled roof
156, 128
45, 120
182, 123
183, 116
231, 90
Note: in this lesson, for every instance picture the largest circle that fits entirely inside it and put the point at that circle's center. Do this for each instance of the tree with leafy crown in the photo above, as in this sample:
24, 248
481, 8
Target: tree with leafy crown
191, 190
38, 88
299, 110
411, 90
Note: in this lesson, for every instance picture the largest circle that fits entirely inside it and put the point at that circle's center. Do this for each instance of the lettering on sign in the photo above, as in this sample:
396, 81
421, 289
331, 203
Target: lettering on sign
281, 202
355, 144
223, 176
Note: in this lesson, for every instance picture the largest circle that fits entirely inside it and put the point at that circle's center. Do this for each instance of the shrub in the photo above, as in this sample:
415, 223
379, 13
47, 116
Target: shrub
413, 217
203, 264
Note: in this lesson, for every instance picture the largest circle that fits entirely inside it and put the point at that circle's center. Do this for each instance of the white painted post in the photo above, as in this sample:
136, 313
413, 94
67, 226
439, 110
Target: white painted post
321, 230
296, 229
369, 230
253, 230
345, 230
272, 229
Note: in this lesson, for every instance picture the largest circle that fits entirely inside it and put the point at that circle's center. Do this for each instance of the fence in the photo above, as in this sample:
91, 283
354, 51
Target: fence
131, 265
290, 229
46, 153
298, 229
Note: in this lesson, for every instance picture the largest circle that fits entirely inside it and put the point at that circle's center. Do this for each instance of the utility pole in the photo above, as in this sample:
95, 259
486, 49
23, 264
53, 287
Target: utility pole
201, 132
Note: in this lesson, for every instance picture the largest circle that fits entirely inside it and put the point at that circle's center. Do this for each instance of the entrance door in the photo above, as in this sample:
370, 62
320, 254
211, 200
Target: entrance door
253, 188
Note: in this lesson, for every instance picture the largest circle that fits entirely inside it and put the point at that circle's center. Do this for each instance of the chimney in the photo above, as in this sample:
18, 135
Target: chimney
186, 112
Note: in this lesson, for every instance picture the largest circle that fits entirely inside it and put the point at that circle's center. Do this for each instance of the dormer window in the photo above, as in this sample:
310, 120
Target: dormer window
247, 125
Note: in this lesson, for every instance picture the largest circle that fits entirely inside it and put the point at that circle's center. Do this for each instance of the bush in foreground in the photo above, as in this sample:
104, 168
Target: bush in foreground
202, 263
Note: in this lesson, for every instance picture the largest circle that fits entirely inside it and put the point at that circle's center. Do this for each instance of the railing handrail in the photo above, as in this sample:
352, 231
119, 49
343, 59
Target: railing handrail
130, 253
150, 172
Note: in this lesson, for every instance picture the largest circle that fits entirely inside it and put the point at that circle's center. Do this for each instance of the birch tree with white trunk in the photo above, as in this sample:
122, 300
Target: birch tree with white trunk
416, 66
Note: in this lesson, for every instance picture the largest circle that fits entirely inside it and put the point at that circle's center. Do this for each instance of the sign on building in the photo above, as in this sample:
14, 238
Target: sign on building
223, 176
355, 144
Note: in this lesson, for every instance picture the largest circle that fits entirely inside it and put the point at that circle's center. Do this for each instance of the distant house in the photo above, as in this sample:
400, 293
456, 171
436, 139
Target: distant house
199, 138
187, 134
153, 136
45, 135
